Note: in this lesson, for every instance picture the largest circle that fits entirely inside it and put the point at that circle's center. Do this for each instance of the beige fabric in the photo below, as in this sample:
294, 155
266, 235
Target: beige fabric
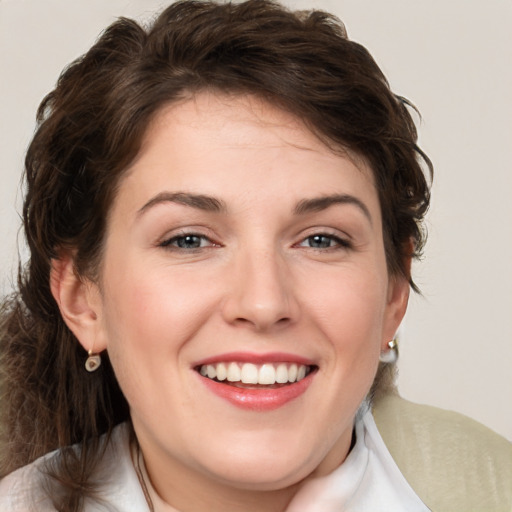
452, 462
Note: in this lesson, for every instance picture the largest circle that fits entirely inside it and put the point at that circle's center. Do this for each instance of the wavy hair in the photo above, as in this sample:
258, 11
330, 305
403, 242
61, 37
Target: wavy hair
90, 128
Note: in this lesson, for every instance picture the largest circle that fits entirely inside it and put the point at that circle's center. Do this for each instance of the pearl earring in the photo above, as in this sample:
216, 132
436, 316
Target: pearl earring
391, 355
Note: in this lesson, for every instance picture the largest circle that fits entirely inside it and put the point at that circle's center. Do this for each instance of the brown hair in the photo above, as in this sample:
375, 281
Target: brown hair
90, 128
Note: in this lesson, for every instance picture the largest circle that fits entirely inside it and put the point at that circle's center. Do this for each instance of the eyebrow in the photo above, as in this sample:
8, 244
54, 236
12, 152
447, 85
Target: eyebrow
317, 204
199, 201
212, 204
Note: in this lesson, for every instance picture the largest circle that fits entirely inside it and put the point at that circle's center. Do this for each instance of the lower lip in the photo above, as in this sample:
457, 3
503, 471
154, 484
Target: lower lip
259, 399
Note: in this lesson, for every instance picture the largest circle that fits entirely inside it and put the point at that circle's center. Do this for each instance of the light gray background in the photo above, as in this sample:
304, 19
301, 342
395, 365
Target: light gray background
453, 59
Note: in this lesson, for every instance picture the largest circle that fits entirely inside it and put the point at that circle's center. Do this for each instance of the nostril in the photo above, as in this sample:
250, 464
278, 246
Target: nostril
263, 323
262, 305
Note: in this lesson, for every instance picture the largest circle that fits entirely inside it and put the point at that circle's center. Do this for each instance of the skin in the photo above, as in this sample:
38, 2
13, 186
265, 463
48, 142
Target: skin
258, 283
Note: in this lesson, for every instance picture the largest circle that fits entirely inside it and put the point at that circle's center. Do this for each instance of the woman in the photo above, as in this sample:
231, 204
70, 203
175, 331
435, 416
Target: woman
221, 212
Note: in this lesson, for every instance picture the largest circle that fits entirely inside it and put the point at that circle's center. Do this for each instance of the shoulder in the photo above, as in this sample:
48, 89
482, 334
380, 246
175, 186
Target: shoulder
117, 481
452, 462
22, 489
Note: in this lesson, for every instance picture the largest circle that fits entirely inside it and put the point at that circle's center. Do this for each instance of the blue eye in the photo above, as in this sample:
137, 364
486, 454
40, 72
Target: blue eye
323, 241
187, 241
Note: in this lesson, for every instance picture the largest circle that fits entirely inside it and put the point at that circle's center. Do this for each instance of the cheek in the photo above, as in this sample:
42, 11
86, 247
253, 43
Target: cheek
350, 307
153, 312
350, 313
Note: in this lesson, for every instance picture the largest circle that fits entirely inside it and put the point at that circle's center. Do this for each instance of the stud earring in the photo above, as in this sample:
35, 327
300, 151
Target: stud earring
391, 355
93, 362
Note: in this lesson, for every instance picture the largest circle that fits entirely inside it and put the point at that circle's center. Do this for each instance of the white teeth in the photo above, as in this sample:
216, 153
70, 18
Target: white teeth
211, 371
267, 374
292, 373
234, 373
222, 372
282, 374
249, 373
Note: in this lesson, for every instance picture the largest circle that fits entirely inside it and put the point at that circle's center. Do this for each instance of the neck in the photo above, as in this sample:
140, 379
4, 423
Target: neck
189, 491
207, 496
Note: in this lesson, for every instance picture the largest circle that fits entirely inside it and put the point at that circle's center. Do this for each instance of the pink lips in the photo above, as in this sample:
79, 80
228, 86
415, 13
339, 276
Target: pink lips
257, 398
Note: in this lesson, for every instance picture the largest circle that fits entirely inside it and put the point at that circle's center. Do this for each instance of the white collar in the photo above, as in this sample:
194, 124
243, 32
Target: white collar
368, 479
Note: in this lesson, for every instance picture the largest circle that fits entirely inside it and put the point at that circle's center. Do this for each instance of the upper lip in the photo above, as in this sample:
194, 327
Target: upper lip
255, 358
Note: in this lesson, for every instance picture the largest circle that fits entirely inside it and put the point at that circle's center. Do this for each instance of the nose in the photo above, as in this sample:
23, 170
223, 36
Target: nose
261, 294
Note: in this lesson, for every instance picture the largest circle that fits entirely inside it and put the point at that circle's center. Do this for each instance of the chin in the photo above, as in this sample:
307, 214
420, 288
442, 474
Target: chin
261, 476
262, 469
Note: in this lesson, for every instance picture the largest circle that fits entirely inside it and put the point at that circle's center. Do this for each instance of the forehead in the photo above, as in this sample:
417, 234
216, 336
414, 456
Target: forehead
241, 140
238, 120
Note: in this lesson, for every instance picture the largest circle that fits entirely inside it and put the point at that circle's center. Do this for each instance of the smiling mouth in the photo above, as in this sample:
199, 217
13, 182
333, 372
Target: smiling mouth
254, 376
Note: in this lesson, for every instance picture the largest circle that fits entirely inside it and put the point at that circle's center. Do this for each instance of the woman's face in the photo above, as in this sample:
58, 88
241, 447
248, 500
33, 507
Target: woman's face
240, 247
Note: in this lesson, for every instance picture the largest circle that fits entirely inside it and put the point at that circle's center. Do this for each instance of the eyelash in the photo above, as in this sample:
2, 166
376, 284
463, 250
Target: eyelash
173, 243
339, 243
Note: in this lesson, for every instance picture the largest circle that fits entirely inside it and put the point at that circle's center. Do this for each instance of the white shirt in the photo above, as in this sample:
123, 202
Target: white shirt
368, 480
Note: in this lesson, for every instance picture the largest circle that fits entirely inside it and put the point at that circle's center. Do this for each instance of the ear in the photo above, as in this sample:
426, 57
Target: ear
80, 303
398, 296
397, 300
